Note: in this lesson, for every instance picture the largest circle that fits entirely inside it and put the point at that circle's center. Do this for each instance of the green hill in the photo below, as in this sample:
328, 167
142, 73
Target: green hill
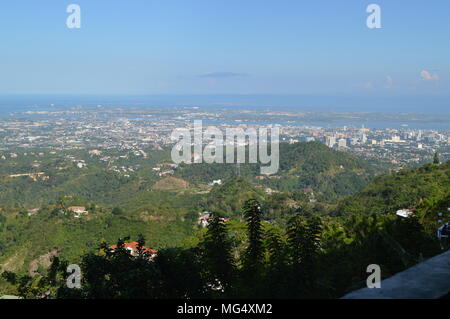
227, 199
328, 172
408, 188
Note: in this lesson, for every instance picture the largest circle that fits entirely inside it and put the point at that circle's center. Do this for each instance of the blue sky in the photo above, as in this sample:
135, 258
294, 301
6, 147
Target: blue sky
225, 47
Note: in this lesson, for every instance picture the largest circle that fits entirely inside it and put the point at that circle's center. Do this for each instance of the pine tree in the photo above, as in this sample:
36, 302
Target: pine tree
217, 258
304, 243
276, 268
253, 255
254, 251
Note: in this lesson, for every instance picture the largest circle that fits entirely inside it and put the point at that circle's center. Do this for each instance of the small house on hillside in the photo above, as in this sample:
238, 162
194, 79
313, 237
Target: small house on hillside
405, 213
78, 210
216, 182
203, 220
132, 248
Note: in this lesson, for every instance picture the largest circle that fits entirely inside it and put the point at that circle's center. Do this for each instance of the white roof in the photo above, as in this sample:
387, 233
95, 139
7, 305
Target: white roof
404, 212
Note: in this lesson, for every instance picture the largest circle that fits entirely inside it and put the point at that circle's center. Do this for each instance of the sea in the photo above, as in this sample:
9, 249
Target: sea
18, 105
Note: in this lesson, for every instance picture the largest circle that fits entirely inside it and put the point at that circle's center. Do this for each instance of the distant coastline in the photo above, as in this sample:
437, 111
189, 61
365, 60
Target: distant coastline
339, 103
133, 107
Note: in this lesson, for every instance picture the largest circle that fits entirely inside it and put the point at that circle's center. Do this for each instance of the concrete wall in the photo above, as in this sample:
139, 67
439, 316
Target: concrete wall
427, 280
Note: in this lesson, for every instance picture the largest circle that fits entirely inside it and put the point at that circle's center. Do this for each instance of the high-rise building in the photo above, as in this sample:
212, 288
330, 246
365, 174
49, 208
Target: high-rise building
330, 141
363, 138
419, 136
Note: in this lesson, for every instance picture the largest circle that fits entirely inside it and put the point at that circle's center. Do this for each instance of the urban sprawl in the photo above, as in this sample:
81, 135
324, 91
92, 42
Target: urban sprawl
136, 129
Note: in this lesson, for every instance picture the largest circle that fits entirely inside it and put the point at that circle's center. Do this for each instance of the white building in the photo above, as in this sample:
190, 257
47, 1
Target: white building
330, 141
216, 182
405, 213
342, 142
363, 138
78, 210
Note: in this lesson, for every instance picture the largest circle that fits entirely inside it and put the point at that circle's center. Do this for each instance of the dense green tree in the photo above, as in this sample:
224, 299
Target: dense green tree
117, 211
181, 274
217, 260
275, 279
304, 244
253, 255
254, 252
436, 159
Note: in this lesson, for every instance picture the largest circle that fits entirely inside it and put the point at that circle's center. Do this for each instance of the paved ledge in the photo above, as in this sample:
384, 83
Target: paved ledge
9, 297
427, 280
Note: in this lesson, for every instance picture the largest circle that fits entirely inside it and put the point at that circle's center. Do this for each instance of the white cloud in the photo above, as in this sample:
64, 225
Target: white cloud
427, 76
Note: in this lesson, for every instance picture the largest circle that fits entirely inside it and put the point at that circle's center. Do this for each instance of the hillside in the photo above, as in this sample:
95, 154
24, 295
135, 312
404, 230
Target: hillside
360, 230
24, 238
408, 188
107, 179
164, 209
34, 179
227, 199
328, 172
170, 183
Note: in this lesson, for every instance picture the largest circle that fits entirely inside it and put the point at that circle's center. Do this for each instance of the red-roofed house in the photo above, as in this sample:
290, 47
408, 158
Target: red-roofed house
133, 249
